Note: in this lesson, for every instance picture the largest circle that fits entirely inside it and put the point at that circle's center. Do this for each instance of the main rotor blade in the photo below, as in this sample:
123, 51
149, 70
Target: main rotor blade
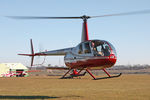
123, 14
81, 17
38, 17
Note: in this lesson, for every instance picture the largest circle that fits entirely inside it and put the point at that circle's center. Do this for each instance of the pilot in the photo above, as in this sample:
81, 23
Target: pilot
94, 49
106, 51
101, 53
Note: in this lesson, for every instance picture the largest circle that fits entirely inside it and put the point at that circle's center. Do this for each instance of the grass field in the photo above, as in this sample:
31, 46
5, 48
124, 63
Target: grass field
126, 87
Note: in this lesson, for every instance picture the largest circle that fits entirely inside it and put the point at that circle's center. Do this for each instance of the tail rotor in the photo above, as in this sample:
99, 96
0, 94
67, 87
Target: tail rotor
30, 55
32, 52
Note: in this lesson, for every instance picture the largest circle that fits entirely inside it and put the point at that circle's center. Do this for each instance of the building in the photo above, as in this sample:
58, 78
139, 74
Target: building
13, 70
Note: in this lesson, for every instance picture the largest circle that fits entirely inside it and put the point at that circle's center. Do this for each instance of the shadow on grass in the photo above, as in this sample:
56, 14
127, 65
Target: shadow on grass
26, 97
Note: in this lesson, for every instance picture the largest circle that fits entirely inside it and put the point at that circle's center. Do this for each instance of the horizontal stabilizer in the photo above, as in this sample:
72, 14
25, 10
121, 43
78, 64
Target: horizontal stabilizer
57, 68
26, 54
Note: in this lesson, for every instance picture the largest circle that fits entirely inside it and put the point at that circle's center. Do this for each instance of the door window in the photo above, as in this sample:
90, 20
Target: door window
87, 48
100, 48
80, 51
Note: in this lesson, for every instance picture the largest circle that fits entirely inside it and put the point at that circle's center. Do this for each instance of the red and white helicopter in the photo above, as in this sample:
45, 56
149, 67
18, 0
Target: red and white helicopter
87, 55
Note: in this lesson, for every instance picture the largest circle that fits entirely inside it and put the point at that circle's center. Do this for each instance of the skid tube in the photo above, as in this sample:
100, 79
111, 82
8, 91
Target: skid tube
109, 76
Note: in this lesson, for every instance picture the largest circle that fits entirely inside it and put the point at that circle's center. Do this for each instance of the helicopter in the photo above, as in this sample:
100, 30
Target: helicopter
87, 55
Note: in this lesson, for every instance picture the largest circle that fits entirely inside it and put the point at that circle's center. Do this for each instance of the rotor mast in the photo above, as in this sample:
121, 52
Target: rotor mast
85, 35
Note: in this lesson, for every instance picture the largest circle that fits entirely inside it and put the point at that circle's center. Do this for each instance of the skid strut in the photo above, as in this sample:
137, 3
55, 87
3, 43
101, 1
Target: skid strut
74, 74
66, 73
80, 71
106, 72
90, 73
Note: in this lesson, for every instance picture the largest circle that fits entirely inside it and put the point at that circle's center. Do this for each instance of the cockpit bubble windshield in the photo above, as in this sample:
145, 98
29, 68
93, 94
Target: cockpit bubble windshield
113, 49
100, 48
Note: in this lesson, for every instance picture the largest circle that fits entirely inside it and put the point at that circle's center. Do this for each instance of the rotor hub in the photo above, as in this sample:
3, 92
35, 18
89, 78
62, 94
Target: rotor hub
84, 17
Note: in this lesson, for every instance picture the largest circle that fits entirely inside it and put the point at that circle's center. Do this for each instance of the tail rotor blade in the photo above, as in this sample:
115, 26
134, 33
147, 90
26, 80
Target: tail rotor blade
32, 49
32, 52
32, 59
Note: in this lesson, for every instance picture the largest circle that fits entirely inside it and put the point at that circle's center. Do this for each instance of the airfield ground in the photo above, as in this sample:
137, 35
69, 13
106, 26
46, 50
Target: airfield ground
126, 87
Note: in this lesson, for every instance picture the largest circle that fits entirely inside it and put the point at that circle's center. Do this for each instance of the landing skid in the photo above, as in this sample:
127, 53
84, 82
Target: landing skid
77, 74
108, 77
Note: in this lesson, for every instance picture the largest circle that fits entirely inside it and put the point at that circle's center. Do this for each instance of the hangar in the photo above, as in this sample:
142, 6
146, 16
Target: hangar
13, 70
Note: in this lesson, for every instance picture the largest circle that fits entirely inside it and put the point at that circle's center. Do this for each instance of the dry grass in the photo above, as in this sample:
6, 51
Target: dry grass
126, 87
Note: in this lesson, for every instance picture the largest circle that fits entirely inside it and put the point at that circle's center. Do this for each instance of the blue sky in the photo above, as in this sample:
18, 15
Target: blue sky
129, 34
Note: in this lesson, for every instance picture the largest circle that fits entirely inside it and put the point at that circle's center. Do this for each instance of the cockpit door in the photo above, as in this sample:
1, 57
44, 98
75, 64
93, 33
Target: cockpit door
87, 49
100, 48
